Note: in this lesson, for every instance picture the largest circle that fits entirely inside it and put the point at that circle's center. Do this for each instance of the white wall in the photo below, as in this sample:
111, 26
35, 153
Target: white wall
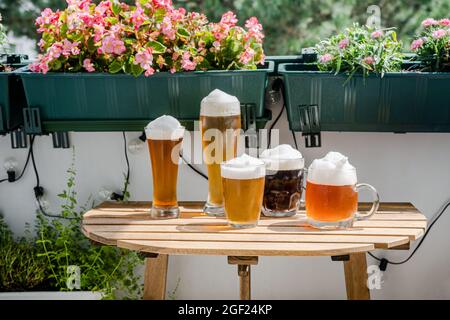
411, 167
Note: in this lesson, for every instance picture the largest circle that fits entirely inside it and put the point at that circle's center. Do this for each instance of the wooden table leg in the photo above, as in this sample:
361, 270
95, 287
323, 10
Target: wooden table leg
155, 276
244, 272
355, 269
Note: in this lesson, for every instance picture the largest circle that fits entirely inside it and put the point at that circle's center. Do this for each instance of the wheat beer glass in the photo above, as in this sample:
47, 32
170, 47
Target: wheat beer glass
243, 190
332, 193
284, 181
220, 123
164, 137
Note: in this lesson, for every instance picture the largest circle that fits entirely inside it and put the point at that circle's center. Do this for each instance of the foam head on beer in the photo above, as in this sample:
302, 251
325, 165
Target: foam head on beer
283, 158
333, 170
164, 128
219, 103
244, 167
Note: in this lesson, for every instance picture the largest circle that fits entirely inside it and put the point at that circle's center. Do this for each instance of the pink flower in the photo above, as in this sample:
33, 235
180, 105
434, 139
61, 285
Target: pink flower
416, 44
138, 17
369, 60
229, 18
150, 71
144, 58
88, 65
253, 24
444, 22
167, 28
112, 45
343, 43
70, 48
247, 55
429, 22
162, 3
377, 34
326, 58
438, 34
186, 62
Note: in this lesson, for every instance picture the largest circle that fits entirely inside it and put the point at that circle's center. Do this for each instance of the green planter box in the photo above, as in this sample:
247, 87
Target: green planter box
105, 102
398, 102
12, 100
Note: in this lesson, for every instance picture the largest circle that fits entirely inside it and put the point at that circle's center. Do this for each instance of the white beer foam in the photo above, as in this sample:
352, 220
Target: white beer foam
164, 128
219, 103
283, 157
243, 168
334, 170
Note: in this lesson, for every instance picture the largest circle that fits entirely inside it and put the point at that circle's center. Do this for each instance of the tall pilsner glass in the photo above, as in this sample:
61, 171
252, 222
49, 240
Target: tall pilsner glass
164, 137
220, 123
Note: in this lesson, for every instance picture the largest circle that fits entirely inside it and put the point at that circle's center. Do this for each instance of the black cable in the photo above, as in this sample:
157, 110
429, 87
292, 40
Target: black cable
26, 163
193, 168
295, 139
39, 190
273, 125
127, 181
385, 261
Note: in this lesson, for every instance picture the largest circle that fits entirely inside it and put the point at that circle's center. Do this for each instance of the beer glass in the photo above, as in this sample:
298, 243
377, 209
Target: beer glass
284, 181
243, 190
220, 123
332, 197
164, 137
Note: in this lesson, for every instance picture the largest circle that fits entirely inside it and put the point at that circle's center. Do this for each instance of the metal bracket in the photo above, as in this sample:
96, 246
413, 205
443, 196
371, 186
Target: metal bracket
248, 112
19, 139
345, 257
32, 120
310, 125
61, 140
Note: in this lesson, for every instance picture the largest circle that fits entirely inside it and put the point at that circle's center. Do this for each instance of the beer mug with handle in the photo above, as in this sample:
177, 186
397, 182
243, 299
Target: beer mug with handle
332, 193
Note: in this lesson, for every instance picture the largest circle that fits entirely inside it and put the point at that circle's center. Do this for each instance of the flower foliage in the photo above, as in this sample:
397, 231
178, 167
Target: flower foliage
432, 45
149, 37
361, 49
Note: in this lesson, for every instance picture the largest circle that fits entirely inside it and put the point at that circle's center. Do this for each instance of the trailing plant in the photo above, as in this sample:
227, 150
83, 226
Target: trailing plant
149, 37
361, 49
20, 268
432, 45
62, 243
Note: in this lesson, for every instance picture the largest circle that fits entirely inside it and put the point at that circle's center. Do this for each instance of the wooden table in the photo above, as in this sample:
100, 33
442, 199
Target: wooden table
128, 225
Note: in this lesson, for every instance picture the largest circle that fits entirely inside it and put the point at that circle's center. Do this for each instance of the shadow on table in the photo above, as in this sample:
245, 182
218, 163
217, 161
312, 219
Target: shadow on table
205, 227
301, 225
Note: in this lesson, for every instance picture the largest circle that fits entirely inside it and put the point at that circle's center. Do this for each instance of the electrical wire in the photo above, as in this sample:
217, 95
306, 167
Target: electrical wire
437, 217
194, 168
26, 163
127, 181
295, 139
274, 124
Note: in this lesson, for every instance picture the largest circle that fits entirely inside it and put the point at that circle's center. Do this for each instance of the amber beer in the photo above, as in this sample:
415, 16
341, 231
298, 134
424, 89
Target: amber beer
330, 203
332, 193
220, 123
164, 137
243, 181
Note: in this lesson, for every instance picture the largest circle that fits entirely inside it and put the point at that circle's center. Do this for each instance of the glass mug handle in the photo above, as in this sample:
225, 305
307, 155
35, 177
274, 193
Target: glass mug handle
302, 202
375, 203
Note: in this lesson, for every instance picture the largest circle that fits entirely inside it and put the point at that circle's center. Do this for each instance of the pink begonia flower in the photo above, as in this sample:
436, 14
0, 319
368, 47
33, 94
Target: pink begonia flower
112, 45
343, 43
429, 22
88, 65
229, 18
144, 58
247, 55
326, 58
369, 60
163, 3
167, 28
149, 72
104, 8
438, 34
444, 22
177, 14
253, 23
376, 34
416, 44
138, 17
186, 62
55, 51
70, 48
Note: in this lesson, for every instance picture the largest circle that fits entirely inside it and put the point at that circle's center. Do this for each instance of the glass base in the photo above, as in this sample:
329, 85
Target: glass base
331, 225
279, 214
243, 225
165, 213
214, 210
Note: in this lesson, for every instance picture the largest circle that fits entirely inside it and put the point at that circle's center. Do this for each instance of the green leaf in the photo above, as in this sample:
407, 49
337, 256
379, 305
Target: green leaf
136, 70
182, 32
157, 47
116, 8
112, 20
115, 66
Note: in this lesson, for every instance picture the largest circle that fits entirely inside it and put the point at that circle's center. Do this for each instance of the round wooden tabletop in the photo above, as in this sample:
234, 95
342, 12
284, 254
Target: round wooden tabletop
129, 225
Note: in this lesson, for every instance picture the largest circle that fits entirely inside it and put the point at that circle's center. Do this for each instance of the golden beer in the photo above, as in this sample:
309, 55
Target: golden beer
220, 124
164, 137
243, 181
